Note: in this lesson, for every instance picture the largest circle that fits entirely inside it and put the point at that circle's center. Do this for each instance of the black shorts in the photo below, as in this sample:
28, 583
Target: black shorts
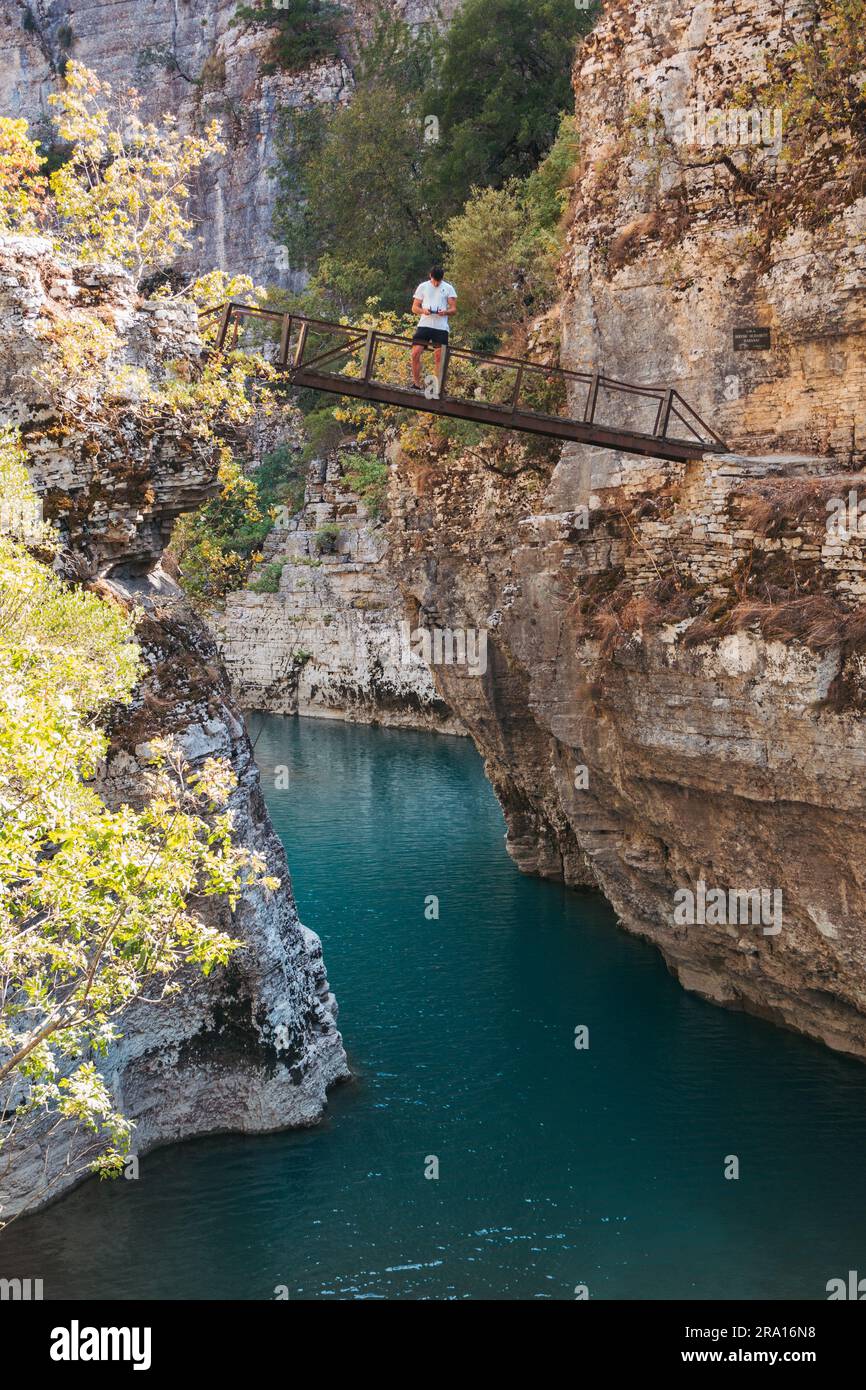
430, 335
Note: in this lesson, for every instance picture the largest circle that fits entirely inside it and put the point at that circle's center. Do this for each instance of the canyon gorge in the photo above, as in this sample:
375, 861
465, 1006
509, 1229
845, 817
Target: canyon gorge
676, 683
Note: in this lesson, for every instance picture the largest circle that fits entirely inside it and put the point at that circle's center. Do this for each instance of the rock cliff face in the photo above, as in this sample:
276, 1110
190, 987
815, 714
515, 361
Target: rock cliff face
331, 641
674, 695
187, 58
648, 728
255, 1046
677, 239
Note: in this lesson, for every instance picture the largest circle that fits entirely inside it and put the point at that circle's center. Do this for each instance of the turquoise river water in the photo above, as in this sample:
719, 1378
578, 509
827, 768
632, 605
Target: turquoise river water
558, 1167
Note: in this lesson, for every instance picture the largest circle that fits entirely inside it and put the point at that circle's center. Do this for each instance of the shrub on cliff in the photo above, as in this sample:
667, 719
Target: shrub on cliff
98, 908
216, 547
302, 31
121, 189
280, 478
368, 477
326, 538
268, 581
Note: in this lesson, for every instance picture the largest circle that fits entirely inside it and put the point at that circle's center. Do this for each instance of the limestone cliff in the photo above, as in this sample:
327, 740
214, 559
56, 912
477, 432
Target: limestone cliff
188, 58
674, 694
330, 641
697, 212
255, 1046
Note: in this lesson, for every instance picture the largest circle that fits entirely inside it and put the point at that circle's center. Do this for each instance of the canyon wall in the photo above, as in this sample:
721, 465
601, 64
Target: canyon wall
674, 695
674, 687
186, 57
331, 640
255, 1046
675, 239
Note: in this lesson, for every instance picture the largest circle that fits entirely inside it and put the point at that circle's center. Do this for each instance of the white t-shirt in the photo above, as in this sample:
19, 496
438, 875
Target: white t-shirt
433, 298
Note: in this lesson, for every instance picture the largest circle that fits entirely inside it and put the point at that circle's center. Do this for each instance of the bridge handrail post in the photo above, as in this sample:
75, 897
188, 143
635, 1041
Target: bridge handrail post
301, 344
518, 380
285, 339
369, 352
662, 424
225, 320
443, 371
591, 400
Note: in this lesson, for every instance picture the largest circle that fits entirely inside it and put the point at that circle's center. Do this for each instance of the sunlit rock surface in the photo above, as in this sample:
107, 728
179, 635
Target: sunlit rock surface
333, 641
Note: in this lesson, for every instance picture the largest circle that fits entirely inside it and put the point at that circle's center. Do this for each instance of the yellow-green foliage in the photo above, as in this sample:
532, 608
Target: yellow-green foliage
821, 81
97, 906
20, 508
22, 189
121, 192
216, 547
483, 258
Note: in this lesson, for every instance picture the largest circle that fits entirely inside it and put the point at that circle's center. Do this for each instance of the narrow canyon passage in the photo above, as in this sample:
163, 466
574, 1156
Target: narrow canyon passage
557, 1166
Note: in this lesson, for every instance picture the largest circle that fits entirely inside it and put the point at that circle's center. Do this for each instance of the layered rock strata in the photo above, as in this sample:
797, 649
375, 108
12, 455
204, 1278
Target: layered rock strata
332, 640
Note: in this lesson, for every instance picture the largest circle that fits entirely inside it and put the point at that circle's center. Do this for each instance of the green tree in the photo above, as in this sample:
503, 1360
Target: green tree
98, 907
548, 188
503, 77
504, 245
367, 191
484, 259
356, 193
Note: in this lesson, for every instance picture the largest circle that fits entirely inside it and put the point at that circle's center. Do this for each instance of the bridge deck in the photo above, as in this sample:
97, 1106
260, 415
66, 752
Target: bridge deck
508, 392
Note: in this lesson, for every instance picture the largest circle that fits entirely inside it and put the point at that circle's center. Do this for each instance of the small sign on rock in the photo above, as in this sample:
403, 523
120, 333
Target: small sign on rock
752, 340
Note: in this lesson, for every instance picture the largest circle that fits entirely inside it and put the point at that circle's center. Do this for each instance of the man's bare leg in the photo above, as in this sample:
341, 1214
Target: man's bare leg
417, 349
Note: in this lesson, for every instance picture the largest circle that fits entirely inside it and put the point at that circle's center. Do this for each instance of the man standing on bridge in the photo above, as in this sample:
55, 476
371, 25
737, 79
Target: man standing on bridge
435, 301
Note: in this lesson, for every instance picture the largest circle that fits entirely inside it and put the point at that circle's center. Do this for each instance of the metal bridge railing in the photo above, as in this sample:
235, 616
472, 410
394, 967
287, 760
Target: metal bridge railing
492, 388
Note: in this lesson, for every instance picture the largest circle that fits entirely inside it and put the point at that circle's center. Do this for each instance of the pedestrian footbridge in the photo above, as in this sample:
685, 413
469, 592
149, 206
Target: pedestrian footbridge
512, 393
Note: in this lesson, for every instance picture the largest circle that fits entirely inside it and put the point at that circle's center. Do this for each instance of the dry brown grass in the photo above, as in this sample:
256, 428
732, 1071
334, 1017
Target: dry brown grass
626, 243
778, 592
817, 621
779, 506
